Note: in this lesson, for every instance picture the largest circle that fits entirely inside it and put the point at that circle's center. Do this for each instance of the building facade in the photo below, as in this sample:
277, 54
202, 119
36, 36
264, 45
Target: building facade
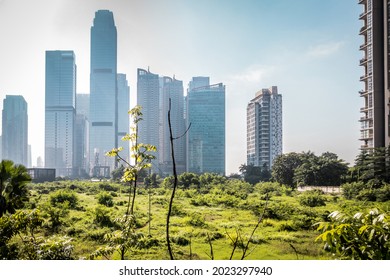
123, 115
264, 128
81, 146
60, 113
103, 93
375, 119
172, 97
15, 129
206, 136
148, 92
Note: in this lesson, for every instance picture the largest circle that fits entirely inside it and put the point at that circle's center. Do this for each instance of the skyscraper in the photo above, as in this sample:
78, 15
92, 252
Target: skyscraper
264, 128
172, 89
15, 129
148, 99
60, 113
206, 137
123, 116
81, 146
375, 122
103, 93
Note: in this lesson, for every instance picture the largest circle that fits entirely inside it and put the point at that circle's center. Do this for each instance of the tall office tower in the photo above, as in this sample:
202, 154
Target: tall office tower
264, 128
81, 146
103, 93
206, 137
123, 114
172, 90
375, 122
60, 111
148, 99
15, 129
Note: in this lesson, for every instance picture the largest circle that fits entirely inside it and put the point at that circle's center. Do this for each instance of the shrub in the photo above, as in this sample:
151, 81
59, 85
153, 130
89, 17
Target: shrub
180, 240
62, 196
351, 190
196, 220
312, 198
102, 216
106, 199
383, 193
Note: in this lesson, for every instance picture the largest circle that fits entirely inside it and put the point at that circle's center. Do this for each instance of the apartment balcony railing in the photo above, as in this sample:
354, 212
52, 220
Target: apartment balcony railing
365, 77
366, 137
363, 61
363, 92
363, 15
363, 30
363, 119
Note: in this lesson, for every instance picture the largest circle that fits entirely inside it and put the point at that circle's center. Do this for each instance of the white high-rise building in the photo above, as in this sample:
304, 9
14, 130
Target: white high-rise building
264, 128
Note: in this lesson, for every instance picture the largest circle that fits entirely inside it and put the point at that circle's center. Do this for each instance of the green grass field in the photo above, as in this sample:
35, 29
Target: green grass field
204, 224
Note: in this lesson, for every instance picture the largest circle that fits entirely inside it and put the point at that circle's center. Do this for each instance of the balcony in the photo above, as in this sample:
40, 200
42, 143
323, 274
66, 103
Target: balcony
363, 47
364, 119
365, 77
363, 93
363, 30
366, 137
362, 1
363, 109
363, 15
363, 61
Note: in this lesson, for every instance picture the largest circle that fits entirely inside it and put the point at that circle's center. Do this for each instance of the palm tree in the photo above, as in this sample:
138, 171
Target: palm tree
13, 191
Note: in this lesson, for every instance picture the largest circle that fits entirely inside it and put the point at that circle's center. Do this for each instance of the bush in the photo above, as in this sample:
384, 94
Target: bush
102, 216
106, 199
383, 194
351, 190
312, 198
63, 196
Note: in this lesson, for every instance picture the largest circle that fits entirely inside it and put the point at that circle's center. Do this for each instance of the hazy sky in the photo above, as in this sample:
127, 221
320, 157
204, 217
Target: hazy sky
309, 49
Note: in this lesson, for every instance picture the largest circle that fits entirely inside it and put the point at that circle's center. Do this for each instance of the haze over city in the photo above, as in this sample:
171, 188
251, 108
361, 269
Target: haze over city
309, 49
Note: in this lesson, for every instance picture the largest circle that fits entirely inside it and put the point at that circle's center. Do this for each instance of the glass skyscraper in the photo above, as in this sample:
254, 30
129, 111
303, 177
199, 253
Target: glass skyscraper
103, 93
148, 99
123, 115
60, 102
81, 147
14, 129
264, 128
206, 137
172, 89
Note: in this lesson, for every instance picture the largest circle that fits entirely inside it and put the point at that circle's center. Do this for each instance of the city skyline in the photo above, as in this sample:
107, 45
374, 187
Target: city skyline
311, 53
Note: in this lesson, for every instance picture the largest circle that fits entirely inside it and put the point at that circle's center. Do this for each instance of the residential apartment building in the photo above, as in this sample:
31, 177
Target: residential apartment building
375, 119
264, 128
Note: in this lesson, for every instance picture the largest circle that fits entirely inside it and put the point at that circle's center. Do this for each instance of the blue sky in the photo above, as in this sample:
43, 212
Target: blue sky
308, 48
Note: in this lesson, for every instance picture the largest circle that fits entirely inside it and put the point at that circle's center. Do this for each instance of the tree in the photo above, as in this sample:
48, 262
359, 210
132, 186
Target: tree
284, 166
142, 155
363, 236
140, 152
13, 191
188, 179
252, 173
